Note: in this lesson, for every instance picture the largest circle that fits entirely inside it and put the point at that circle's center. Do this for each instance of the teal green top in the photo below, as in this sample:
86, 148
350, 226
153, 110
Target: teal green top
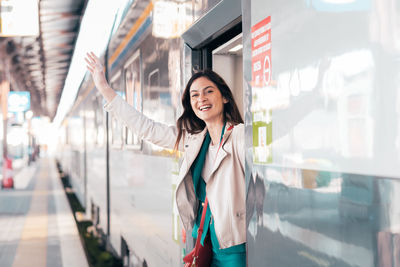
200, 190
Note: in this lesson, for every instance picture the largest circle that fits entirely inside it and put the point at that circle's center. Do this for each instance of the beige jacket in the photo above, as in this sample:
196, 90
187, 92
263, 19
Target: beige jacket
226, 186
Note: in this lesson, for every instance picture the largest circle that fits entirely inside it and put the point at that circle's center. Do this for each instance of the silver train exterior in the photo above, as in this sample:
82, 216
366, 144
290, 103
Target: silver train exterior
317, 82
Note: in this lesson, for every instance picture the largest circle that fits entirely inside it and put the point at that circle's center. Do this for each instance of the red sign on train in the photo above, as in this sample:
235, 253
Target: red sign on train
261, 53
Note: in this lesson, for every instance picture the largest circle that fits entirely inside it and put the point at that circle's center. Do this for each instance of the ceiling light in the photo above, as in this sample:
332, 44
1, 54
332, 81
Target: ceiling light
236, 48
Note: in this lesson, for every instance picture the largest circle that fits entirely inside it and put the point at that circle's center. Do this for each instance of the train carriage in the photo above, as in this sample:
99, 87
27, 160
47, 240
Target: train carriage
317, 84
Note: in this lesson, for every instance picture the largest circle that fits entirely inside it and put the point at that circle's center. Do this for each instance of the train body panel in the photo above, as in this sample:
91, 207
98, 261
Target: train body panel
320, 169
96, 188
142, 208
327, 87
76, 155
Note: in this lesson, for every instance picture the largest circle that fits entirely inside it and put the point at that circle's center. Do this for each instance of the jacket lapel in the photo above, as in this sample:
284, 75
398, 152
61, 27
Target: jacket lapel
222, 153
192, 148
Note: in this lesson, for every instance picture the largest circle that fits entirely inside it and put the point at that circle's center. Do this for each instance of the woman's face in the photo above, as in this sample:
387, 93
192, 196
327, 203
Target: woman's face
206, 101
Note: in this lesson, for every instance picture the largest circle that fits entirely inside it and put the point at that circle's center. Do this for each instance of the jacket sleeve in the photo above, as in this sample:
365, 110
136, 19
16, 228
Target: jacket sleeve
147, 129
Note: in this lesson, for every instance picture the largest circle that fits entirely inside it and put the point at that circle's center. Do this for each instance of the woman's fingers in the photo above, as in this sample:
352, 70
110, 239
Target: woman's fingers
94, 66
89, 59
94, 58
93, 61
91, 65
89, 69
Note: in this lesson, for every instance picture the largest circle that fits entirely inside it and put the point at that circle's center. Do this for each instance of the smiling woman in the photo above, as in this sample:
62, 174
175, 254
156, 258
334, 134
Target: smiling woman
207, 100
210, 117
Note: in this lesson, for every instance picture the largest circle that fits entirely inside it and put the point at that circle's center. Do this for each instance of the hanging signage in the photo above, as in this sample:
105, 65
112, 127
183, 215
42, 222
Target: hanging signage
19, 101
19, 18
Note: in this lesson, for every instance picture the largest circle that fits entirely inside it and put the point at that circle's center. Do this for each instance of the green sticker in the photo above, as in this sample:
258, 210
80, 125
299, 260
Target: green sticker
262, 137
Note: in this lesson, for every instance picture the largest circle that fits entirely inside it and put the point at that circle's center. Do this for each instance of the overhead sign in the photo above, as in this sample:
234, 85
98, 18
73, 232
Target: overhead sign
19, 101
19, 18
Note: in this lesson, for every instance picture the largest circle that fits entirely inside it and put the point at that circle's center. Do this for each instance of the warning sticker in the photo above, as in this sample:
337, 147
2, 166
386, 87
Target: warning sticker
261, 53
261, 80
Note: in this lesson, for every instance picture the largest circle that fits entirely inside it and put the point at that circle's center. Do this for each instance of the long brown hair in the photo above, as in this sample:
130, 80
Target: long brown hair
189, 122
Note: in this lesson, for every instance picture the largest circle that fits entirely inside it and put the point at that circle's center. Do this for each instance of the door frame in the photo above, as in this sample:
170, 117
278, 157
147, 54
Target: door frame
217, 26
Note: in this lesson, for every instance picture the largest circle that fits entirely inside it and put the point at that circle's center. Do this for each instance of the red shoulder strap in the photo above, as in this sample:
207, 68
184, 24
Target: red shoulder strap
200, 230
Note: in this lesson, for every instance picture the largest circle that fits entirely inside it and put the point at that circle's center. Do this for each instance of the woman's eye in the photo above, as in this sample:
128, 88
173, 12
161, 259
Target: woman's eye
210, 91
195, 95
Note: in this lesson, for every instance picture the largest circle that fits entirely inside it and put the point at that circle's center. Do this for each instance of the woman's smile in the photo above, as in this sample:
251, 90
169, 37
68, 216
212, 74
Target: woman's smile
205, 107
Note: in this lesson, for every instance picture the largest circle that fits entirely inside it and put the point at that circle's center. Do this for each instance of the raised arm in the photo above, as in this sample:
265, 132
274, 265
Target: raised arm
96, 69
147, 129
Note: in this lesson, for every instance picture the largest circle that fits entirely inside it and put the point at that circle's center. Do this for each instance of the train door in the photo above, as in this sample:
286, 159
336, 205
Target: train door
215, 42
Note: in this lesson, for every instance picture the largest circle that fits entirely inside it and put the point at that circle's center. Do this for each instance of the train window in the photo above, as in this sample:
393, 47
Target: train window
133, 91
152, 107
158, 99
90, 122
76, 127
95, 107
116, 126
154, 84
76, 163
62, 137
228, 62
98, 119
65, 135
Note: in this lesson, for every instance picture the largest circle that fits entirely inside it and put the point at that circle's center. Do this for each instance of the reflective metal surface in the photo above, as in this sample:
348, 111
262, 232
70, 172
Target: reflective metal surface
326, 193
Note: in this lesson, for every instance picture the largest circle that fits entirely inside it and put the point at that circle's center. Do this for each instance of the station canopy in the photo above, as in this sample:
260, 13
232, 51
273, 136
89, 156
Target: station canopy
36, 58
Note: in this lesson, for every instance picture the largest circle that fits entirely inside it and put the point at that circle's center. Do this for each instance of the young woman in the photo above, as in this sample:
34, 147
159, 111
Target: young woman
210, 132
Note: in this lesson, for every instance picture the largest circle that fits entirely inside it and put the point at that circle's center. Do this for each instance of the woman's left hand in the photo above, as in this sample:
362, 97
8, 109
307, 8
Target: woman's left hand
96, 69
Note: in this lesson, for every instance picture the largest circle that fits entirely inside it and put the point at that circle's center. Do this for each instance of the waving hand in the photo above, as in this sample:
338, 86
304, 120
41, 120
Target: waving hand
96, 69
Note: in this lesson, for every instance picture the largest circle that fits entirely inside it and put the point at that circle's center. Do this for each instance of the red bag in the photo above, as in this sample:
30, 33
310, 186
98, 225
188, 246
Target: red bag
200, 256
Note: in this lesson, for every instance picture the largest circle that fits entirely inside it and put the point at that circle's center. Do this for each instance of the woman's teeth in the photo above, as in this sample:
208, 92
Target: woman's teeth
204, 108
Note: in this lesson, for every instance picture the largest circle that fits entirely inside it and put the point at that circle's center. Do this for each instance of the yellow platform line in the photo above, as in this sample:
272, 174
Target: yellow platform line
32, 248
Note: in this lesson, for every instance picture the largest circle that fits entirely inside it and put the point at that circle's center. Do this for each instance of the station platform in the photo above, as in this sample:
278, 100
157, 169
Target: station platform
37, 227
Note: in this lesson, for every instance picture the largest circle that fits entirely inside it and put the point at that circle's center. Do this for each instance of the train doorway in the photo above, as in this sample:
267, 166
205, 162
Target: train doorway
215, 42
227, 61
